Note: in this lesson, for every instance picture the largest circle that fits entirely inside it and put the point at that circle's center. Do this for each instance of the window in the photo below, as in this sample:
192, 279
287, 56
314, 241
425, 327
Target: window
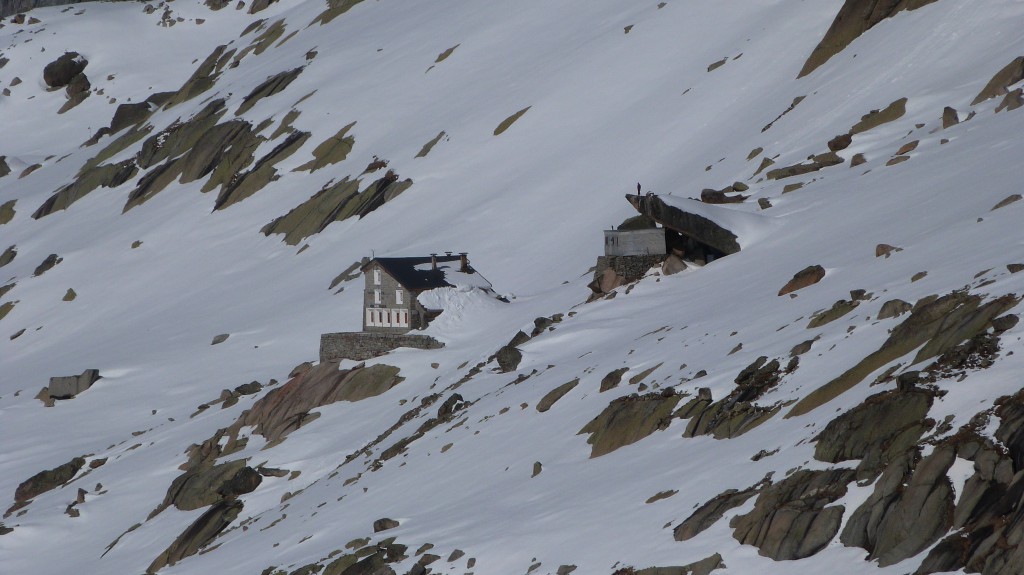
399, 297
376, 296
376, 277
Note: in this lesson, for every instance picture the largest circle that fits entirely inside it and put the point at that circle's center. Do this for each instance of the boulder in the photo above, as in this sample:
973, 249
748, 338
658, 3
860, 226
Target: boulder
208, 484
384, 524
67, 387
840, 142
949, 117
60, 72
838, 310
792, 519
47, 480
803, 278
508, 358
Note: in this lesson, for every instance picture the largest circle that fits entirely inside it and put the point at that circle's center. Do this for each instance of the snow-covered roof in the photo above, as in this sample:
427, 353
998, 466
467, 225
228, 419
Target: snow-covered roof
421, 273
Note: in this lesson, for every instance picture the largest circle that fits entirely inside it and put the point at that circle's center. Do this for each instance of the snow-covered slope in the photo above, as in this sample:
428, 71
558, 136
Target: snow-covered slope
682, 95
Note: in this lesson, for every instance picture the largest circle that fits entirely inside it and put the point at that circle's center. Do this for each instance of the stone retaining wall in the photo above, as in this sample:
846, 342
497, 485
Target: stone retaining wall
360, 346
628, 267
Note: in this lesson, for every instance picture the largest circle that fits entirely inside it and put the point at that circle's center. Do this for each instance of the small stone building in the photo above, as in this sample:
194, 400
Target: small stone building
645, 242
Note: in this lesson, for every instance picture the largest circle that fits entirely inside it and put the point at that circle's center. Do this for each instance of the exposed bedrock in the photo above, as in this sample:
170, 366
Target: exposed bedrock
792, 519
854, 18
201, 532
629, 419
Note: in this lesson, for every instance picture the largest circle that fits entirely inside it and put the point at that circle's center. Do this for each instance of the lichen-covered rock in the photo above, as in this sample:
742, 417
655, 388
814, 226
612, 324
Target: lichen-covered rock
627, 420
909, 510
702, 567
876, 432
208, 484
792, 519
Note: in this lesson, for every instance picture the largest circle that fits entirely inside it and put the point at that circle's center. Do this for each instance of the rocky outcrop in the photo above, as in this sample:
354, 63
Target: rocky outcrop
909, 510
204, 77
8, 255
876, 432
331, 151
200, 533
936, 325
12, 7
47, 480
736, 413
240, 185
1003, 79
47, 265
288, 407
555, 394
854, 18
508, 358
876, 118
272, 85
838, 310
703, 567
816, 163
792, 519
207, 484
629, 419
709, 513
107, 176
335, 203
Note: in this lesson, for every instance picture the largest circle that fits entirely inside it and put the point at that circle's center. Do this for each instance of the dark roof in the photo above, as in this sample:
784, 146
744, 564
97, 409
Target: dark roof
404, 271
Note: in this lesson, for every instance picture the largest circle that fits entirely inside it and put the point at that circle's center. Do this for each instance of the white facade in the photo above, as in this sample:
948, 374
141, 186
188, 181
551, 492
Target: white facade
634, 242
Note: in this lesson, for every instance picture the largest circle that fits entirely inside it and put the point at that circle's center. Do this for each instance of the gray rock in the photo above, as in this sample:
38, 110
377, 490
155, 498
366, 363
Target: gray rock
219, 338
47, 480
894, 308
792, 519
803, 278
876, 432
200, 533
554, 395
910, 509
709, 513
508, 358
47, 264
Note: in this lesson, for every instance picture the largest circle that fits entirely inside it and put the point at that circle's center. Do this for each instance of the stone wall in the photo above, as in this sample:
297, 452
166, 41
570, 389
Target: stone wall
360, 346
12, 7
627, 267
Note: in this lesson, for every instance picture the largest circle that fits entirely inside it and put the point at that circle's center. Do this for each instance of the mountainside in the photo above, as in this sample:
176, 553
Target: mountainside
829, 382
